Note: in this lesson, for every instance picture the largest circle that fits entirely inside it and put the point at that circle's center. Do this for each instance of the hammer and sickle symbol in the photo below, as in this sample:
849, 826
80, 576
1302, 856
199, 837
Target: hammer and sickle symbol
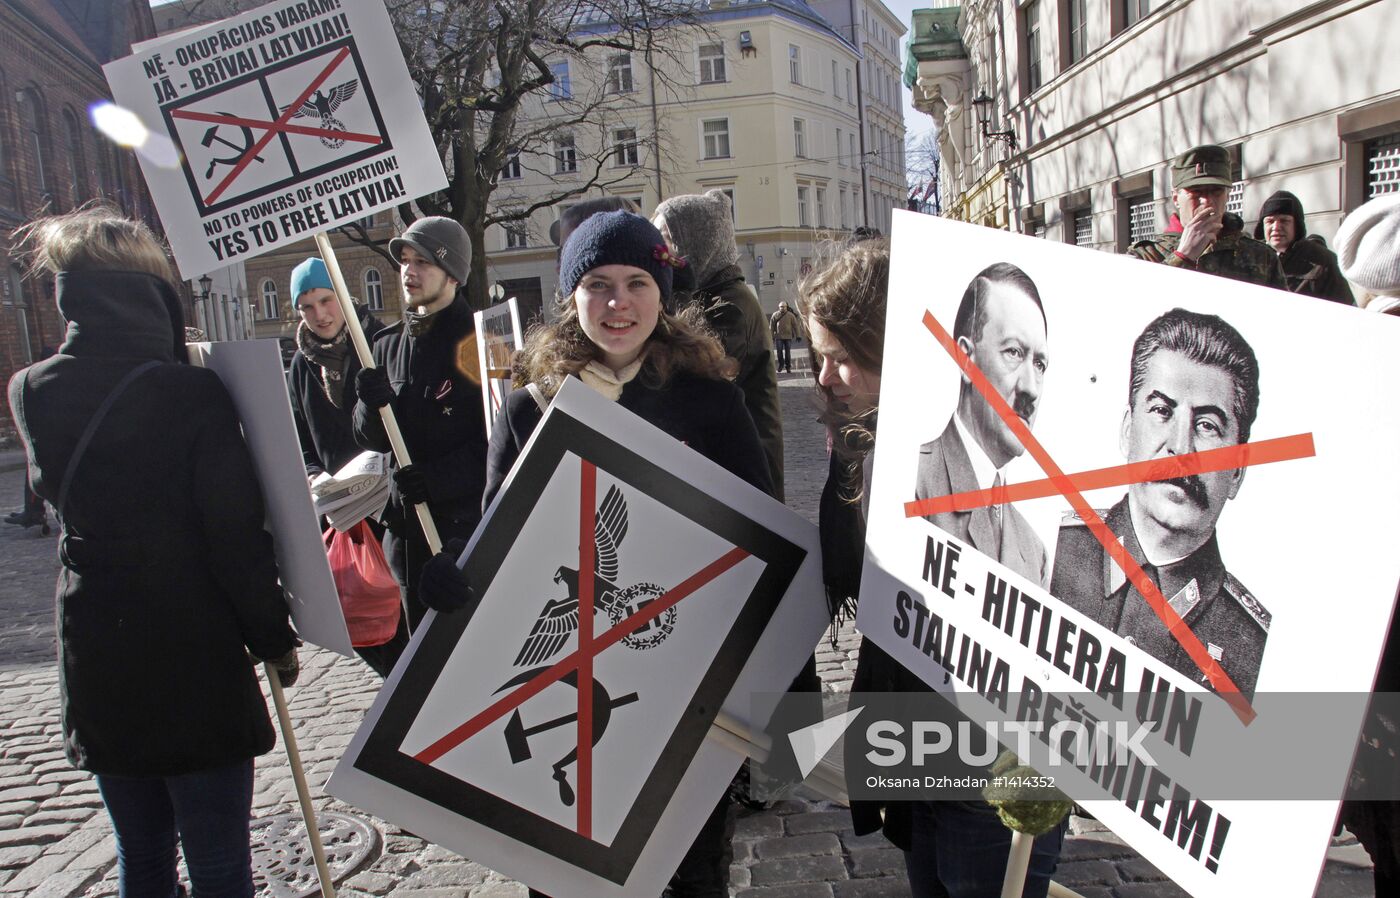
518, 735
212, 137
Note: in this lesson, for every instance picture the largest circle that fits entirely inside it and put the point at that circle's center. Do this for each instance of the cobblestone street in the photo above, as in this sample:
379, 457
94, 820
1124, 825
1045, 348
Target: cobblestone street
56, 842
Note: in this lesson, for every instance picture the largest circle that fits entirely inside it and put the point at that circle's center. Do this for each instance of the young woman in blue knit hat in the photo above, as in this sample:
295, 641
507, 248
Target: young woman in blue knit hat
619, 333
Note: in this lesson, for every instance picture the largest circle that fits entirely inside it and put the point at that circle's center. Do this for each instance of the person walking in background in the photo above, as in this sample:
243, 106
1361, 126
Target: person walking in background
786, 328
321, 385
169, 582
426, 370
620, 333
1309, 267
700, 229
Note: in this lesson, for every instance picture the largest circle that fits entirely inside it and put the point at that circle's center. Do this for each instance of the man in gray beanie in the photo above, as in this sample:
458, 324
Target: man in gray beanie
426, 371
700, 229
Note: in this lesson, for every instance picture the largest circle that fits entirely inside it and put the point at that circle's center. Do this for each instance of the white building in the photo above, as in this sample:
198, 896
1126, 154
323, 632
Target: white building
763, 101
1087, 101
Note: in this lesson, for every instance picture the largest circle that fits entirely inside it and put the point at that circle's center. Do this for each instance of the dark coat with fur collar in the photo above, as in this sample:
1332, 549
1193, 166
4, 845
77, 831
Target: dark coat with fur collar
168, 578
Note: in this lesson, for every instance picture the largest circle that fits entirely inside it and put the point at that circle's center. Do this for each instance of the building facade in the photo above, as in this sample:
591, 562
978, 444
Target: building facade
1060, 117
51, 157
764, 101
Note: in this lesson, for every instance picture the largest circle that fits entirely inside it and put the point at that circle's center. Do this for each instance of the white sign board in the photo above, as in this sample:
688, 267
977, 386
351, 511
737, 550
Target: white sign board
291, 119
497, 339
704, 592
1273, 599
252, 373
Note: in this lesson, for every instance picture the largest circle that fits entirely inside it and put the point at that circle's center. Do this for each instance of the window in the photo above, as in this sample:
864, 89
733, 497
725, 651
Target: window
269, 300
802, 197
1078, 31
1234, 201
73, 136
1134, 10
794, 64
733, 207
855, 160
1382, 165
715, 134
1034, 74
561, 88
712, 63
1142, 219
374, 290
841, 201
821, 207
511, 170
840, 159
565, 154
516, 237
32, 132
799, 138
850, 94
620, 73
624, 147
1082, 222
835, 82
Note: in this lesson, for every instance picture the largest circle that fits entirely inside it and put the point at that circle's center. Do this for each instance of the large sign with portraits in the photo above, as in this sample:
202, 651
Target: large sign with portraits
631, 591
1144, 515
285, 121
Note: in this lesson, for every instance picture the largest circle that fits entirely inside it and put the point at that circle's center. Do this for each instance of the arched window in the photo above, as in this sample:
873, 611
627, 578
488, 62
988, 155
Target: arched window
73, 136
32, 134
374, 290
269, 300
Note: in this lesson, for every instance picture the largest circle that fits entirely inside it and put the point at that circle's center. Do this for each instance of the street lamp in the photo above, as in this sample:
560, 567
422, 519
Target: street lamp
983, 104
205, 284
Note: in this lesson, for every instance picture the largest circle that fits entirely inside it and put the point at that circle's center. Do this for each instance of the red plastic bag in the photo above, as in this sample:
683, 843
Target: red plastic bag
369, 594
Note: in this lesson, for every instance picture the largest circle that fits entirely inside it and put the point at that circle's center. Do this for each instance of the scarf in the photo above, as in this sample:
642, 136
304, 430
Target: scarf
606, 382
331, 356
419, 323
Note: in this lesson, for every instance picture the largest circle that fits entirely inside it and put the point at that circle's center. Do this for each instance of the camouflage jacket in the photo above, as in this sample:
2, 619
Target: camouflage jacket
1233, 255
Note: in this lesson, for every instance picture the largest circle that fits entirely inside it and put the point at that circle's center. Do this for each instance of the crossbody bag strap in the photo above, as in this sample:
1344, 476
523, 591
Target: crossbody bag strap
538, 395
92, 425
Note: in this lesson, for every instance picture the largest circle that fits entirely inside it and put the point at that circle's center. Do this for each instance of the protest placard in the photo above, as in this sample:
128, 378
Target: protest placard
251, 371
290, 119
497, 339
1110, 490
560, 736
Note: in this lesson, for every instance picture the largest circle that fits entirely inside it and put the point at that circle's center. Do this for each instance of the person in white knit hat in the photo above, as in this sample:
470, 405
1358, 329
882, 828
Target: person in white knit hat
1368, 248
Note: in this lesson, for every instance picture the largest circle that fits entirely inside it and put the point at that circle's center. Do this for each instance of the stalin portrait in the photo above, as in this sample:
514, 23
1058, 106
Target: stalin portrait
1193, 386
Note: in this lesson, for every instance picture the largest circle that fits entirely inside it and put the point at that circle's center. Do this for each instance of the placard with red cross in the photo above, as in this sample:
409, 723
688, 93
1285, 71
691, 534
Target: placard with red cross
566, 714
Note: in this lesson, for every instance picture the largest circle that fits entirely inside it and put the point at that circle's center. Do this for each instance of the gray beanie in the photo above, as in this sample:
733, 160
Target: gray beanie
1368, 245
442, 240
701, 228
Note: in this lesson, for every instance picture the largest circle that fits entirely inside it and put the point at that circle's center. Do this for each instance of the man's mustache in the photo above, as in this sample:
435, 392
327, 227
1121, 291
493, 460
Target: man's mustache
1193, 487
1023, 404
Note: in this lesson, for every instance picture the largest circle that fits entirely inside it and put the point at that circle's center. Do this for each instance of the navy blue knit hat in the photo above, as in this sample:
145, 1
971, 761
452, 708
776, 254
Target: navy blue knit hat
617, 238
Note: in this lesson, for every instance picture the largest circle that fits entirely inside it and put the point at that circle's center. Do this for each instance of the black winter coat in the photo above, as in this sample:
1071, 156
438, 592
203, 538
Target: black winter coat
327, 433
707, 415
168, 577
438, 406
734, 313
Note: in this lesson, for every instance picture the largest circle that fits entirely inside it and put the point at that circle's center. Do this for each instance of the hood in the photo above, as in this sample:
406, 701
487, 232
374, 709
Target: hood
701, 228
1282, 203
120, 314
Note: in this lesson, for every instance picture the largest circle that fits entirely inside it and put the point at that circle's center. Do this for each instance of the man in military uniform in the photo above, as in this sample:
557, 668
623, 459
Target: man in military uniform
1001, 326
1194, 386
1201, 235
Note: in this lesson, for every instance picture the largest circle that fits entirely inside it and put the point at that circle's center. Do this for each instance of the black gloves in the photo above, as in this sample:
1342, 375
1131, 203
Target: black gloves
372, 386
412, 484
442, 585
287, 668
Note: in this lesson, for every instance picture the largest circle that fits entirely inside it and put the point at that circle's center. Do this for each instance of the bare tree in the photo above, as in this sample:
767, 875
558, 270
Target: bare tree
922, 171
491, 74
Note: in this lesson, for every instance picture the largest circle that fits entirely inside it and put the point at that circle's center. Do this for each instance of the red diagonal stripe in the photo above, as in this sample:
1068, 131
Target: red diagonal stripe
611, 637
291, 110
1226, 458
217, 119
588, 491
1134, 572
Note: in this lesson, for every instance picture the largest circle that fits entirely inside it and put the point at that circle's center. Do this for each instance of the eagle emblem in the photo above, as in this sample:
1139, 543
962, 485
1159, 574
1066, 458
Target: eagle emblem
322, 104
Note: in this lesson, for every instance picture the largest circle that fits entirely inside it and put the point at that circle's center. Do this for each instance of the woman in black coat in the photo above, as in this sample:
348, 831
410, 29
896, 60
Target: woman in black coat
618, 332
168, 583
